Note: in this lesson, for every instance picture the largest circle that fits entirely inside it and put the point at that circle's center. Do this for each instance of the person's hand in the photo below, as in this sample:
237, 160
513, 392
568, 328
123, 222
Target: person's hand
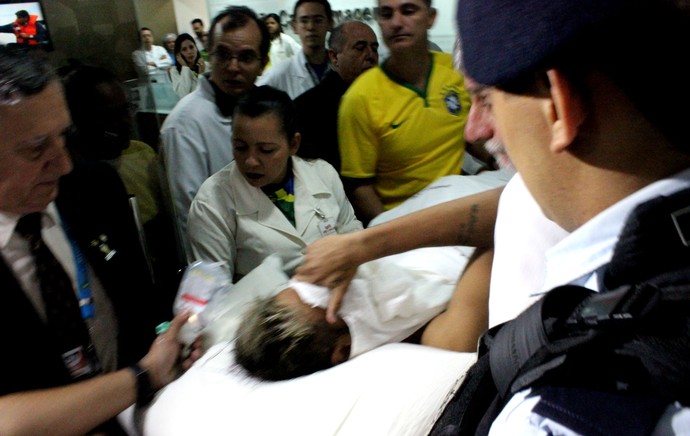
332, 262
152, 64
161, 360
181, 60
163, 57
24, 35
202, 65
195, 352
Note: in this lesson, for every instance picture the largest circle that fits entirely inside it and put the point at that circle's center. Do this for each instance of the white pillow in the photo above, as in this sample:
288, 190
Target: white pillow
398, 389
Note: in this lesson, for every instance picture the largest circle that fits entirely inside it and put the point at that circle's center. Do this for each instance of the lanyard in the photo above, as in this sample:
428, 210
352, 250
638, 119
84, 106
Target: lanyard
84, 292
314, 77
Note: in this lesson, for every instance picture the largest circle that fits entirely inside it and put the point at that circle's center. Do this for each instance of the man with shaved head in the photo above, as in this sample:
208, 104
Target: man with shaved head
353, 49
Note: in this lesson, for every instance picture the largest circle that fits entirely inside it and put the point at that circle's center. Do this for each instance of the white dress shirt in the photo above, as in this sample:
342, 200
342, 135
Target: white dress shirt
575, 261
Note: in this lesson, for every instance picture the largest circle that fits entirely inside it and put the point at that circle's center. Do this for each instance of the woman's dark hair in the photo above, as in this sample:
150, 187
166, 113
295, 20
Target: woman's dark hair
264, 100
178, 47
275, 17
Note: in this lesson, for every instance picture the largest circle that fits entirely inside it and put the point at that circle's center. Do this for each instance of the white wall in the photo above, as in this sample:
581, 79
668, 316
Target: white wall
187, 10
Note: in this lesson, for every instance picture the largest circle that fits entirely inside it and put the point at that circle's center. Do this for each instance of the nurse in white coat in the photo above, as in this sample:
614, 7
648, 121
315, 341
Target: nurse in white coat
267, 200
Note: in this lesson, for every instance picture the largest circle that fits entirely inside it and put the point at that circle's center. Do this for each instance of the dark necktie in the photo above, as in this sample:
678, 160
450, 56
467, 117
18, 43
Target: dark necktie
62, 308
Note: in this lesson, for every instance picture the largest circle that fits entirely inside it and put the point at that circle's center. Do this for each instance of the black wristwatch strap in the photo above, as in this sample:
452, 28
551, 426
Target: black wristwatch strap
145, 390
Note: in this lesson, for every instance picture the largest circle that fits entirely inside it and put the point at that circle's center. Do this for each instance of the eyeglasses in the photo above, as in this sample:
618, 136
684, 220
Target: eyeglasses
246, 57
317, 20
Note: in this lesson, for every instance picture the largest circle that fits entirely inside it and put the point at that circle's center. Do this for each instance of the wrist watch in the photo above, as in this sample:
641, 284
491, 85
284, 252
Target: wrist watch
145, 389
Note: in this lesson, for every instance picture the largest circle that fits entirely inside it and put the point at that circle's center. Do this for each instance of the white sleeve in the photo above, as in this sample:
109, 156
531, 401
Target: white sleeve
212, 234
294, 45
162, 61
184, 81
185, 160
347, 221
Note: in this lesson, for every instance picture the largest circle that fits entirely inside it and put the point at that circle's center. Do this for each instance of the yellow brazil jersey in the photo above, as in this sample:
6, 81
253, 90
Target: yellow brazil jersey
403, 137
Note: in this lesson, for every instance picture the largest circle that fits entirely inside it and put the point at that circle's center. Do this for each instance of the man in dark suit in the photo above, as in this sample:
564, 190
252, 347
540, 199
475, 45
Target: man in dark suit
353, 50
85, 239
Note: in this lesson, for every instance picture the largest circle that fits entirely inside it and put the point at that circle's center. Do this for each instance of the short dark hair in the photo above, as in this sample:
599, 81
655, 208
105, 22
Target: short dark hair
197, 20
238, 17
264, 100
100, 131
324, 3
22, 14
84, 77
22, 73
275, 17
141, 30
275, 342
336, 41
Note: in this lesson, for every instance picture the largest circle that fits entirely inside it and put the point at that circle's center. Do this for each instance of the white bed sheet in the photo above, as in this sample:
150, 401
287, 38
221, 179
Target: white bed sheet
397, 389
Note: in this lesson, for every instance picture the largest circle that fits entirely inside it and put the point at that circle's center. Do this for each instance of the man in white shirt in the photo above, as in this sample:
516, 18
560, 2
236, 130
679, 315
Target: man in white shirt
390, 299
599, 153
198, 29
312, 21
151, 61
196, 135
47, 388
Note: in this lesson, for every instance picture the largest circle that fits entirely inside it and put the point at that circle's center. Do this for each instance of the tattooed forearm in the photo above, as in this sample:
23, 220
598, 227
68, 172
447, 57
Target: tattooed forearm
467, 227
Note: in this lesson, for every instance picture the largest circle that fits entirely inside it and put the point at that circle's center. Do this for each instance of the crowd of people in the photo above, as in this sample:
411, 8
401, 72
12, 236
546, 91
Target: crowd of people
288, 148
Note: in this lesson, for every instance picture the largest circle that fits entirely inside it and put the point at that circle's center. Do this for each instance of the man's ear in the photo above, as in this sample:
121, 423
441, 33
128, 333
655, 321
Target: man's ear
295, 142
432, 18
333, 57
341, 352
567, 111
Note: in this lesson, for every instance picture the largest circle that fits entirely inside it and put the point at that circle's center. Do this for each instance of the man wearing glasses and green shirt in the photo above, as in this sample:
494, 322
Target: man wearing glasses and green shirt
196, 135
313, 19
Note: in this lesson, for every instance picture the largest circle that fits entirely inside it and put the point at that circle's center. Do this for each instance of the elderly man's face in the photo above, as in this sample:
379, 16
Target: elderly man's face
524, 123
236, 58
32, 150
360, 51
480, 127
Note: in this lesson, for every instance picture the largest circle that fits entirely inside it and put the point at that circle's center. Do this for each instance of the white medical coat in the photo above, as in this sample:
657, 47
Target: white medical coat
292, 76
232, 221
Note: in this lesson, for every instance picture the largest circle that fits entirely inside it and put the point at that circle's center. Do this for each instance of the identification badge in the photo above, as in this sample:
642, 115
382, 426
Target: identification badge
327, 226
77, 362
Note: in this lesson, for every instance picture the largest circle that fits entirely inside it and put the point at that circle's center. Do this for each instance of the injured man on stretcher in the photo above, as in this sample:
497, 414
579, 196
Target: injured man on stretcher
390, 299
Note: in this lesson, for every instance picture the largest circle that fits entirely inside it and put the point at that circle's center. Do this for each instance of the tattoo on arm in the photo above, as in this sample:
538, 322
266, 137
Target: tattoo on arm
467, 229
